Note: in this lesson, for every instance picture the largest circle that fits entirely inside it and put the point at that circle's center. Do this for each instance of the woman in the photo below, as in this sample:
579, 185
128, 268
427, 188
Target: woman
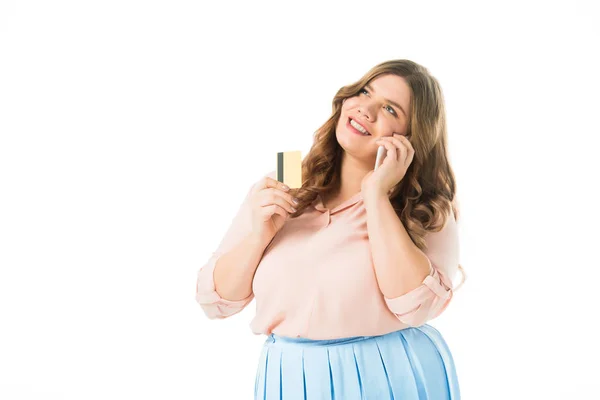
347, 275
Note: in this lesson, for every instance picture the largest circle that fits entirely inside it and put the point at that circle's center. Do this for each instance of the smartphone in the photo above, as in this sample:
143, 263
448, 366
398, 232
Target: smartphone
380, 155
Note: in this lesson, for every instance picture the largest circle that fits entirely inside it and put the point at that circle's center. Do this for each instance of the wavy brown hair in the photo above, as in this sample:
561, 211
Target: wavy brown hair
426, 194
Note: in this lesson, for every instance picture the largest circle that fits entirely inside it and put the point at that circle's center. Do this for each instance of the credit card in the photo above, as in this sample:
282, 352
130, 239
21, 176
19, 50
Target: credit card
289, 168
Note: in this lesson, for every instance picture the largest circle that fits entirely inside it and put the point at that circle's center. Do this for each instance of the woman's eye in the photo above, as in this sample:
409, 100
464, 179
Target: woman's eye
391, 110
363, 91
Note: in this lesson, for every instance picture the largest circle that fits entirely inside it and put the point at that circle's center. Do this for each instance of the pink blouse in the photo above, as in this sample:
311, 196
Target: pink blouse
316, 278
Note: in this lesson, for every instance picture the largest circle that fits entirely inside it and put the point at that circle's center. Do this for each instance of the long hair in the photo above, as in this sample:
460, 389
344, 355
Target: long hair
424, 197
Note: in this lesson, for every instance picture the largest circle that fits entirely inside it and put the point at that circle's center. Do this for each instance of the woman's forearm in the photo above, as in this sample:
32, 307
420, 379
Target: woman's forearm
234, 270
400, 266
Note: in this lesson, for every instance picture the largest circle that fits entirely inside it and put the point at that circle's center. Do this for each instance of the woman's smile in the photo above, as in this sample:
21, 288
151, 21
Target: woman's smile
352, 129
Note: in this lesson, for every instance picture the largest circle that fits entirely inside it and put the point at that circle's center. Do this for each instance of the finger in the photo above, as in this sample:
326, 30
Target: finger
285, 195
391, 149
406, 142
403, 152
411, 155
268, 211
403, 145
410, 148
271, 196
268, 182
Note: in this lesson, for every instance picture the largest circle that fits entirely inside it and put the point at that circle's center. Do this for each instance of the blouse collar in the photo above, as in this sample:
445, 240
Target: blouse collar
318, 203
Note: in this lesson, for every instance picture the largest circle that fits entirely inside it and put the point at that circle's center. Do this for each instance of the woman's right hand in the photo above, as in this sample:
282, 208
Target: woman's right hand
271, 206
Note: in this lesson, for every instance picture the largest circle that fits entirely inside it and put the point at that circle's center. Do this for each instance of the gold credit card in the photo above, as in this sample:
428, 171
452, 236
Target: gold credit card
289, 168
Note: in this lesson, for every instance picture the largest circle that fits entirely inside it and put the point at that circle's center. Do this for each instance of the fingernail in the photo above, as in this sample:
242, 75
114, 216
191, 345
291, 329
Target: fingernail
295, 201
285, 187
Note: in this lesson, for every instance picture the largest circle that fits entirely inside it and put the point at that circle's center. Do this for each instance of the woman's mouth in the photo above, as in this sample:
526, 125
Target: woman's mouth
354, 127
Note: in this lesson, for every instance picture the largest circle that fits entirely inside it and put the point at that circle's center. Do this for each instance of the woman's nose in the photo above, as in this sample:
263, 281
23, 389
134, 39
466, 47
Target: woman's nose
366, 109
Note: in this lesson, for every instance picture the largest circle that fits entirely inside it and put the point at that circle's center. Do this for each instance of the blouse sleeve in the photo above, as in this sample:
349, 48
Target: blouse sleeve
215, 306
432, 297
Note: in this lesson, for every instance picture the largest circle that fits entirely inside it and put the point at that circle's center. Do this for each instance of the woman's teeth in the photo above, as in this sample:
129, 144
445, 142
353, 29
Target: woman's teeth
359, 128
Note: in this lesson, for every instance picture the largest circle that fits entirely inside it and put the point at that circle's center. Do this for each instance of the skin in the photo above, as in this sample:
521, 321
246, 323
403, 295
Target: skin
400, 266
372, 109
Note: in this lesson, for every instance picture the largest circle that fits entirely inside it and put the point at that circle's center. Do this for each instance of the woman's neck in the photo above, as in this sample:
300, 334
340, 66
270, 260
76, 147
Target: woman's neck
352, 174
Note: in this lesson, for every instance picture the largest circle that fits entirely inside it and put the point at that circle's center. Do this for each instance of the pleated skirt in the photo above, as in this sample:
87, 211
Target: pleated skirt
412, 363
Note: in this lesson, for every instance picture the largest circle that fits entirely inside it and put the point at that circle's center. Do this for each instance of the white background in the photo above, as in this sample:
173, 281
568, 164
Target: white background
131, 130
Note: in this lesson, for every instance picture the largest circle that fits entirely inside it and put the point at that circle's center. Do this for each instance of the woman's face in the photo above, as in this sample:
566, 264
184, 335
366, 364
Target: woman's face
381, 108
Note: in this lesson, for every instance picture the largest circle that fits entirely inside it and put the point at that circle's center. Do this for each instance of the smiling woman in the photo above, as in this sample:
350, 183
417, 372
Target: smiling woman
393, 114
347, 280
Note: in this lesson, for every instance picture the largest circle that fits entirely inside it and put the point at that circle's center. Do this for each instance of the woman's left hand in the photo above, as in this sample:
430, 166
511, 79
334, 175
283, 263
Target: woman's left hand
397, 159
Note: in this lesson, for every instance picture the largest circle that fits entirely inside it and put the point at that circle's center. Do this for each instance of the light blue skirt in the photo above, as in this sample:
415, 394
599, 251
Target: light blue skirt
412, 363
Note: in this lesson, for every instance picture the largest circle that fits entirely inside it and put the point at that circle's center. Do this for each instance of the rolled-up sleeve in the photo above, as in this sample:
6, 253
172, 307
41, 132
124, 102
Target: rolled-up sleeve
431, 298
215, 306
